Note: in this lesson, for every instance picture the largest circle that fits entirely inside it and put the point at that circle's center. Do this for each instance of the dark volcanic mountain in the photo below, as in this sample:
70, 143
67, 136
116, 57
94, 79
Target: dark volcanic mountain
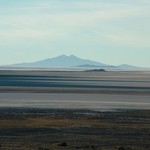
61, 61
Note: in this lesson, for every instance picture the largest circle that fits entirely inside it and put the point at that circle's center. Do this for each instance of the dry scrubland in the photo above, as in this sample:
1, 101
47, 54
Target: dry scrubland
53, 129
46, 129
28, 128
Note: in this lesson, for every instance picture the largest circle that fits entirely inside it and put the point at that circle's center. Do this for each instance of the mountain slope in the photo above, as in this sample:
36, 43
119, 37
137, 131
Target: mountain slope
60, 61
126, 66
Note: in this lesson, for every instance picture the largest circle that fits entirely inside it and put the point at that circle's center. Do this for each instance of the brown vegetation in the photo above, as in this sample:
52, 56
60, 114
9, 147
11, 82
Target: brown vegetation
127, 130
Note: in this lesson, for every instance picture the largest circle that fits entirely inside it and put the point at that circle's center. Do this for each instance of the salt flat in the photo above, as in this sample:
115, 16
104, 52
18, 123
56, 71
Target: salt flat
75, 101
78, 89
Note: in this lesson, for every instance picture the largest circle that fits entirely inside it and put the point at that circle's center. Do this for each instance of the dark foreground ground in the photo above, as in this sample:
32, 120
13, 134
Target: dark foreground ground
57, 129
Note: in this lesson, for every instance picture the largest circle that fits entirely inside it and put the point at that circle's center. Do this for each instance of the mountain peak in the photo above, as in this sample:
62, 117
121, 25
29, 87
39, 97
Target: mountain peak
73, 56
67, 56
61, 56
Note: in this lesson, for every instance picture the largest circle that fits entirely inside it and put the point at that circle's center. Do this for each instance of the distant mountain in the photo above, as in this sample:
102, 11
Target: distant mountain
89, 66
71, 61
61, 61
126, 66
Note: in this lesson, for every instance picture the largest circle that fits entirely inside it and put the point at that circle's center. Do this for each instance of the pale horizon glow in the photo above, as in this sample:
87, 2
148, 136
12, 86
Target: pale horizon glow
111, 32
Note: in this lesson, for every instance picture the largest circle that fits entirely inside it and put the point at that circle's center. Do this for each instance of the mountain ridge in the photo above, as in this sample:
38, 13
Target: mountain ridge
64, 61
60, 61
128, 66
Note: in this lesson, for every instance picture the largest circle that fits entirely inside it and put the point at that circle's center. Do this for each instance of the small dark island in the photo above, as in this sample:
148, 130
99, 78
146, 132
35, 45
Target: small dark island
96, 70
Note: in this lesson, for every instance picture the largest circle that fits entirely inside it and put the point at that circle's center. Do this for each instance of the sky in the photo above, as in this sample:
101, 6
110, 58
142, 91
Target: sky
108, 31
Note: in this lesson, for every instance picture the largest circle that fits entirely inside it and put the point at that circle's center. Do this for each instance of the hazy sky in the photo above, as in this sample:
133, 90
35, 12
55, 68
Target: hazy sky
109, 31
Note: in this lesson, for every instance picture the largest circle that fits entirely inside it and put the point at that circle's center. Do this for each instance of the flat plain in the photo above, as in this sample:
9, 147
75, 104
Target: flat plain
42, 110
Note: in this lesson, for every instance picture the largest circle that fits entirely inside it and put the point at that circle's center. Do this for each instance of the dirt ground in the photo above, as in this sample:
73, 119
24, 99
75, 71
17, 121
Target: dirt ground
55, 129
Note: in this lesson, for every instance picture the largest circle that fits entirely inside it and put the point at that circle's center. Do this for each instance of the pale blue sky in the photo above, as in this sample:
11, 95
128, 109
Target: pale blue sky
109, 31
